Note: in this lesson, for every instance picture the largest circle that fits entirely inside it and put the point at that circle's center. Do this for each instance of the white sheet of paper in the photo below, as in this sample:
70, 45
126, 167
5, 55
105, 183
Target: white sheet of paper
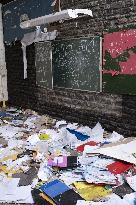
97, 133
19, 195
89, 149
33, 139
132, 182
113, 199
69, 177
130, 198
62, 122
122, 152
115, 137
8, 186
9, 131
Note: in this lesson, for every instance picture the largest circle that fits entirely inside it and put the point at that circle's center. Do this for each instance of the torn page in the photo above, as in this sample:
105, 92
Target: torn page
132, 182
115, 137
122, 151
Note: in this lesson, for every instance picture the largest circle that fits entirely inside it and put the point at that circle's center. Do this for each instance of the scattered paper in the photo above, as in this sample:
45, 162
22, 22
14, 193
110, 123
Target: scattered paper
130, 198
97, 133
36, 149
33, 139
122, 151
132, 182
115, 137
113, 199
60, 123
70, 177
11, 193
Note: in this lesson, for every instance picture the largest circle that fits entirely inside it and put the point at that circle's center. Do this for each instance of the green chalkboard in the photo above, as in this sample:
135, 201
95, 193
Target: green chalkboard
43, 64
76, 63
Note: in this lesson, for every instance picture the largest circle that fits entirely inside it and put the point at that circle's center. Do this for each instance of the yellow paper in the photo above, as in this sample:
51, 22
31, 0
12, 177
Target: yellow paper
47, 198
11, 157
44, 137
58, 153
8, 171
91, 192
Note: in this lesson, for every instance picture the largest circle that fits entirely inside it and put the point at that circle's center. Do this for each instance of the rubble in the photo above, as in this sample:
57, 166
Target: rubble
46, 161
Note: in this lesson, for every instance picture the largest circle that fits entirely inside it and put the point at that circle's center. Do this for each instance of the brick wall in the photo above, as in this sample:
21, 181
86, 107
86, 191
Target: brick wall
107, 14
21, 92
115, 112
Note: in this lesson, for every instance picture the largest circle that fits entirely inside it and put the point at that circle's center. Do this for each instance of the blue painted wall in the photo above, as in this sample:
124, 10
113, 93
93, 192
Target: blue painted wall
13, 11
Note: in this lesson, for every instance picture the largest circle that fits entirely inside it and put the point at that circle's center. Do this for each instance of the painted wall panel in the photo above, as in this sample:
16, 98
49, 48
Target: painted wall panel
15, 11
119, 63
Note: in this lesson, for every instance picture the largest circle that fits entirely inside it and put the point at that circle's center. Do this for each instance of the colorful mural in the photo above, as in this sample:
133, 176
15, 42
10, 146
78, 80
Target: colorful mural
119, 63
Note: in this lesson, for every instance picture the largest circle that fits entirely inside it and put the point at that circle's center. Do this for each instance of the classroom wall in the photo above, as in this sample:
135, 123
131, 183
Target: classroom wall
115, 111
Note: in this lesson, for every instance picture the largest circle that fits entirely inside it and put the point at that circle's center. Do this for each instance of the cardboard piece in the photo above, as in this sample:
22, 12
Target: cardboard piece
26, 178
122, 190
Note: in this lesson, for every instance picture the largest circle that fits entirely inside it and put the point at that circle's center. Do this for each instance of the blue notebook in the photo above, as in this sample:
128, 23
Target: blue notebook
60, 193
54, 188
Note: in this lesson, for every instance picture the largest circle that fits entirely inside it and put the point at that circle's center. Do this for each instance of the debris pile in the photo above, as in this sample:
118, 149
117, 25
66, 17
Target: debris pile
46, 161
